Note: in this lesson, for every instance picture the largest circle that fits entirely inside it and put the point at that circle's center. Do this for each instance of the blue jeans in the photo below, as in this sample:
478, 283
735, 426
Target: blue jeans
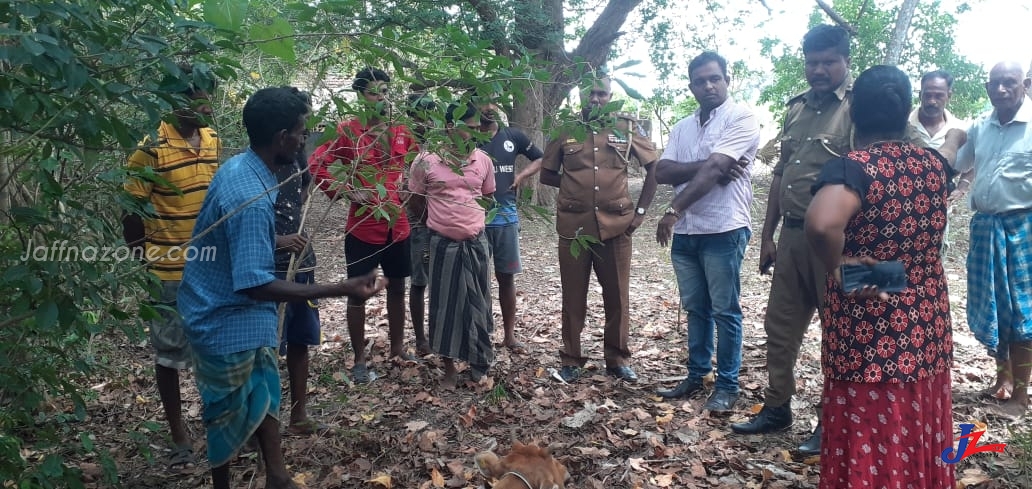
707, 268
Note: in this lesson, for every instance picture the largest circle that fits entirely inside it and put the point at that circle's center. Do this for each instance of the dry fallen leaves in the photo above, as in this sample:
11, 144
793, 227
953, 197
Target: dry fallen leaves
405, 426
382, 480
436, 478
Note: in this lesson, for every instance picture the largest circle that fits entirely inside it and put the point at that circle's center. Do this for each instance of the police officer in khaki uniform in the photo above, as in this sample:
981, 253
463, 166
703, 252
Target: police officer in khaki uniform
817, 128
593, 200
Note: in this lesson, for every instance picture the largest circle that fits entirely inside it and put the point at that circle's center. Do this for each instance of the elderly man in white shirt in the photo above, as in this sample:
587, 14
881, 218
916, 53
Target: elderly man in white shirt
999, 151
709, 160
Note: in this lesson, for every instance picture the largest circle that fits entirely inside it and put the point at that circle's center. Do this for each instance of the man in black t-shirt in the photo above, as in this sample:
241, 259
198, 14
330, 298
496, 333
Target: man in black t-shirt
504, 145
301, 327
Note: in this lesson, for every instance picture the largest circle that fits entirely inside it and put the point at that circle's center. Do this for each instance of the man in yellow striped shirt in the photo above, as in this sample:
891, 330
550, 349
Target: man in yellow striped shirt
172, 173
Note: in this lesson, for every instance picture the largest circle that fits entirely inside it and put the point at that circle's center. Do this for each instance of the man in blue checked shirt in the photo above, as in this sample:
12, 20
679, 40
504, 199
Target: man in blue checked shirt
228, 303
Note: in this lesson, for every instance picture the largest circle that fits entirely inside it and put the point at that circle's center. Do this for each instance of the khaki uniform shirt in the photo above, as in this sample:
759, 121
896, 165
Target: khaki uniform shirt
816, 130
593, 198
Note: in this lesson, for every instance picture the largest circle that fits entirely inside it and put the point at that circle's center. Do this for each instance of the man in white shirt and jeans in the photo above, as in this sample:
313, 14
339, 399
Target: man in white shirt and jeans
708, 160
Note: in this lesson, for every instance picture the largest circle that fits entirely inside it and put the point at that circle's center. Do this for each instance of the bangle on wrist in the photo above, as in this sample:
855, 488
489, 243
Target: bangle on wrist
964, 180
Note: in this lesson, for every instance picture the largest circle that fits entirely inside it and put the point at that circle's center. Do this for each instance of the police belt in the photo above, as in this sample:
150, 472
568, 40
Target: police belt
793, 222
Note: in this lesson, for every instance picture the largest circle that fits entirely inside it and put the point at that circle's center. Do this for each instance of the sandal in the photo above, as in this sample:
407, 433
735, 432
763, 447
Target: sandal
182, 459
309, 427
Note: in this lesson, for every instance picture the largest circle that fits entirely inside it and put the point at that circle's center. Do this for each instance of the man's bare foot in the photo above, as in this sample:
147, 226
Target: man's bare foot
279, 482
515, 346
450, 380
308, 426
1000, 391
1013, 410
451, 374
403, 357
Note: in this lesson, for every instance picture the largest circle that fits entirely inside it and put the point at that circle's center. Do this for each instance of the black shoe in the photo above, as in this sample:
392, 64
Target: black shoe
623, 372
686, 388
813, 445
721, 401
771, 419
570, 373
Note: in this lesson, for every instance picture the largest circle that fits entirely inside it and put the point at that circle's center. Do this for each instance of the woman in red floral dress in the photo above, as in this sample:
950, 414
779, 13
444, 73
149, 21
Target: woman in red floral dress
886, 357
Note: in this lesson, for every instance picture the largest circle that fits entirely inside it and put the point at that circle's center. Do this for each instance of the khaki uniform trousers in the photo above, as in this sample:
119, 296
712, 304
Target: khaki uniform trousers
611, 261
796, 291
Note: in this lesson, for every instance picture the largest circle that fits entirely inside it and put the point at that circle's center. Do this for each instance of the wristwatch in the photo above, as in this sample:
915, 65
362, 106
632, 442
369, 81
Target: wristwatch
673, 212
640, 211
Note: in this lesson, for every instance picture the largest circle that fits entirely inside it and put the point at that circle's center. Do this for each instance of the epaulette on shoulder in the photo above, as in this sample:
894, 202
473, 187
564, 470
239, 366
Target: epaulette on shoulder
797, 97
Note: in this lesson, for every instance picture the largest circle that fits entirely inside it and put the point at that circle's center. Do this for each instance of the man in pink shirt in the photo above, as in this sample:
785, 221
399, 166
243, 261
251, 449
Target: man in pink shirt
372, 155
451, 184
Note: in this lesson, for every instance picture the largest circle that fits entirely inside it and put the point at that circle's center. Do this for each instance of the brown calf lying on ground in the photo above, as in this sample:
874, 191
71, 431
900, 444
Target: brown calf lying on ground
525, 467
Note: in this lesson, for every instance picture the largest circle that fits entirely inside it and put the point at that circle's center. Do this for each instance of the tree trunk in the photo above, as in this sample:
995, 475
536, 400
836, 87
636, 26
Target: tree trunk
528, 115
899, 32
540, 29
6, 185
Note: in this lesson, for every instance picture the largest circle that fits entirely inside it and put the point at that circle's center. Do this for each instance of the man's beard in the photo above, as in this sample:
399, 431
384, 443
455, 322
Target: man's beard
285, 160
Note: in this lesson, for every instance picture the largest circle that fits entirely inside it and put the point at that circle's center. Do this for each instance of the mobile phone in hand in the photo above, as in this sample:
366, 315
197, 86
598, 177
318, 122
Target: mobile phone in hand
887, 276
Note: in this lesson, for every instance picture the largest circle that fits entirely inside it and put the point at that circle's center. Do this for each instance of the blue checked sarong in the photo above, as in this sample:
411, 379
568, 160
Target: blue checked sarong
999, 265
237, 391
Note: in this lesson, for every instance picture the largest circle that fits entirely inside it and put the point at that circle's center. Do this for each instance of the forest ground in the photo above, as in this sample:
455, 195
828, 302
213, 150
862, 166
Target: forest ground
404, 431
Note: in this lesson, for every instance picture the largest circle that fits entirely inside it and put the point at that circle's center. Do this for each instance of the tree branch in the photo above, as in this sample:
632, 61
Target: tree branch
592, 51
899, 33
835, 16
492, 27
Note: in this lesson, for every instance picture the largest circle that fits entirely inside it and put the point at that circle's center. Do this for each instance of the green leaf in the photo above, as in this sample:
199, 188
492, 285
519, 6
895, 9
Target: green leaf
225, 14
52, 466
46, 315
275, 39
87, 442
18, 271
116, 88
627, 64
33, 47
630, 91
148, 312
25, 105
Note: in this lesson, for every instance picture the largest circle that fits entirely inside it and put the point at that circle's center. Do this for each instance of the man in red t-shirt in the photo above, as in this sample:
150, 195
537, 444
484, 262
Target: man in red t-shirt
366, 164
